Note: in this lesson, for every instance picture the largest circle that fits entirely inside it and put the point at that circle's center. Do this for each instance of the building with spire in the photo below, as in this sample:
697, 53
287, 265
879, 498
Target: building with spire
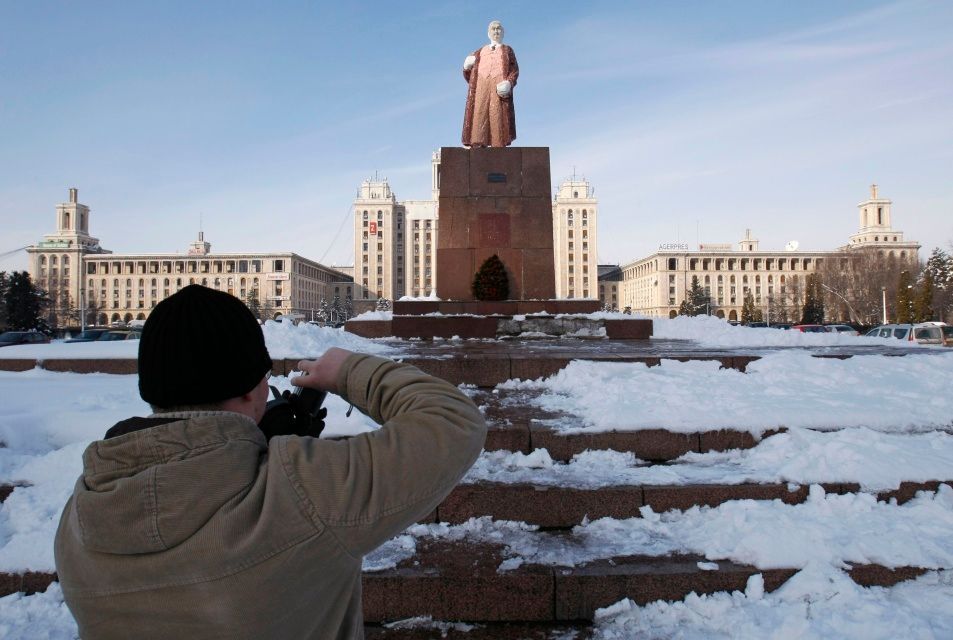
114, 287
657, 284
56, 262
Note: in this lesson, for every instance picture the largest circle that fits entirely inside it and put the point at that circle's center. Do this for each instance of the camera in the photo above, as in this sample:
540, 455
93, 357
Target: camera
297, 413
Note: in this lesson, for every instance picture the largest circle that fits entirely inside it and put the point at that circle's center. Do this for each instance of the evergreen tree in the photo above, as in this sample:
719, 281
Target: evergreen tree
24, 303
696, 298
747, 308
923, 304
253, 303
337, 310
813, 309
940, 268
697, 301
905, 298
491, 281
324, 311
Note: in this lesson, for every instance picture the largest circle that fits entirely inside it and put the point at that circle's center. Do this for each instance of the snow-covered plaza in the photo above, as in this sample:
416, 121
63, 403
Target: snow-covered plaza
872, 421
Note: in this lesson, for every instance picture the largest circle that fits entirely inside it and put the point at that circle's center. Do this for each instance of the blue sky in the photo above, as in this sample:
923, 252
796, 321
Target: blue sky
691, 119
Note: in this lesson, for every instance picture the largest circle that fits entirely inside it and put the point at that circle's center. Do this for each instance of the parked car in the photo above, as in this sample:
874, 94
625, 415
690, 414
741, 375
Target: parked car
111, 336
89, 335
842, 328
947, 335
10, 338
922, 333
780, 325
809, 328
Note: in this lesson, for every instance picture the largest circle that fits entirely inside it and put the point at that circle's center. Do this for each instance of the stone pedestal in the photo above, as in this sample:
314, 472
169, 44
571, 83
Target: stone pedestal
495, 201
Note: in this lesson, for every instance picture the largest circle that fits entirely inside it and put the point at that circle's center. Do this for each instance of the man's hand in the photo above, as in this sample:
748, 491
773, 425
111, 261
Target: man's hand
323, 372
504, 88
468, 62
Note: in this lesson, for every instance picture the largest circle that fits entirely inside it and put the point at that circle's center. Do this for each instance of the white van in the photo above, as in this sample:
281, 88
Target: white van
922, 332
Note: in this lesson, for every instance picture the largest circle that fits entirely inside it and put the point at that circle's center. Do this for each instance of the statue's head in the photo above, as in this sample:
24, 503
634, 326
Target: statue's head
495, 32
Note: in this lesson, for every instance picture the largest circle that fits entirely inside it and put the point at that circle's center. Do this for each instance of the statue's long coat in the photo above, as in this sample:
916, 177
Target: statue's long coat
511, 72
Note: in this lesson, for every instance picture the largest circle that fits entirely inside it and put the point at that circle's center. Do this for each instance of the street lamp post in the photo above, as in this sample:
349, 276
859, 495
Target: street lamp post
883, 291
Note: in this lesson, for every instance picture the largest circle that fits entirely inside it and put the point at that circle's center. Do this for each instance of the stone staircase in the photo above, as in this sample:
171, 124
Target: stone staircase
461, 581
455, 588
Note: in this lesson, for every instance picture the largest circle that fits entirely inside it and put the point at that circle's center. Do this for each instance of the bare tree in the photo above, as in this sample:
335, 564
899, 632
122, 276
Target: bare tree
860, 280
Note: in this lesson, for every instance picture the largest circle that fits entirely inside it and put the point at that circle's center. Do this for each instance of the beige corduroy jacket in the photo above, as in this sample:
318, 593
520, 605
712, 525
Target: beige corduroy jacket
199, 529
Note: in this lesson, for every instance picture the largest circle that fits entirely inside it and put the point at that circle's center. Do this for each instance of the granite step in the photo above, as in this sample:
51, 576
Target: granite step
461, 581
654, 445
559, 507
422, 629
482, 369
516, 424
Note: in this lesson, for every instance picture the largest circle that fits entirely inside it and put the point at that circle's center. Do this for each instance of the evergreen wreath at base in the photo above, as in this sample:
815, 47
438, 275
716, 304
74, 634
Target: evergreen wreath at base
490, 281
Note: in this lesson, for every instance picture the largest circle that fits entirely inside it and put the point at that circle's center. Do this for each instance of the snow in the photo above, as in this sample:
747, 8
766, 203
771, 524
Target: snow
42, 615
876, 461
830, 528
710, 331
375, 315
784, 388
819, 602
873, 419
283, 339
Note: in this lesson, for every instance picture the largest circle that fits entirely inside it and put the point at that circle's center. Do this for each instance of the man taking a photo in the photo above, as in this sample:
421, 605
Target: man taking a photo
189, 524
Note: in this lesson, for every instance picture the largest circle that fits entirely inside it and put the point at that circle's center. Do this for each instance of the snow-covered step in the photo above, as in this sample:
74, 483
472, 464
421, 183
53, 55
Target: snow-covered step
557, 507
27, 582
490, 566
646, 444
597, 483
462, 581
425, 628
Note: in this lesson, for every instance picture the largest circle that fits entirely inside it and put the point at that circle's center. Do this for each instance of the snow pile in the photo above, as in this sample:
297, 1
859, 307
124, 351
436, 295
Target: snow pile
287, 340
818, 602
283, 339
715, 332
42, 615
786, 388
827, 528
120, 349
876, 461
375, 315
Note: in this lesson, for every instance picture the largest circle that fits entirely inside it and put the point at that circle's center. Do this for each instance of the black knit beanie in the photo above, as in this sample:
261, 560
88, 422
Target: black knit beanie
200, 346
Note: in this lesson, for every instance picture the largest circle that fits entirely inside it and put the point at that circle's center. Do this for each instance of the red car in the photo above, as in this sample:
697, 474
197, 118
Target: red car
810, 328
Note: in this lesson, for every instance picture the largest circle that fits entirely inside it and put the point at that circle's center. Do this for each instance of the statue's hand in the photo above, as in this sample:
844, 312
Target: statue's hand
468, 62
504, 89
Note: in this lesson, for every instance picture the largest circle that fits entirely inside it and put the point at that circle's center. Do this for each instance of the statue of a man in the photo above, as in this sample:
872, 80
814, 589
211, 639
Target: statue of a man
490, 72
